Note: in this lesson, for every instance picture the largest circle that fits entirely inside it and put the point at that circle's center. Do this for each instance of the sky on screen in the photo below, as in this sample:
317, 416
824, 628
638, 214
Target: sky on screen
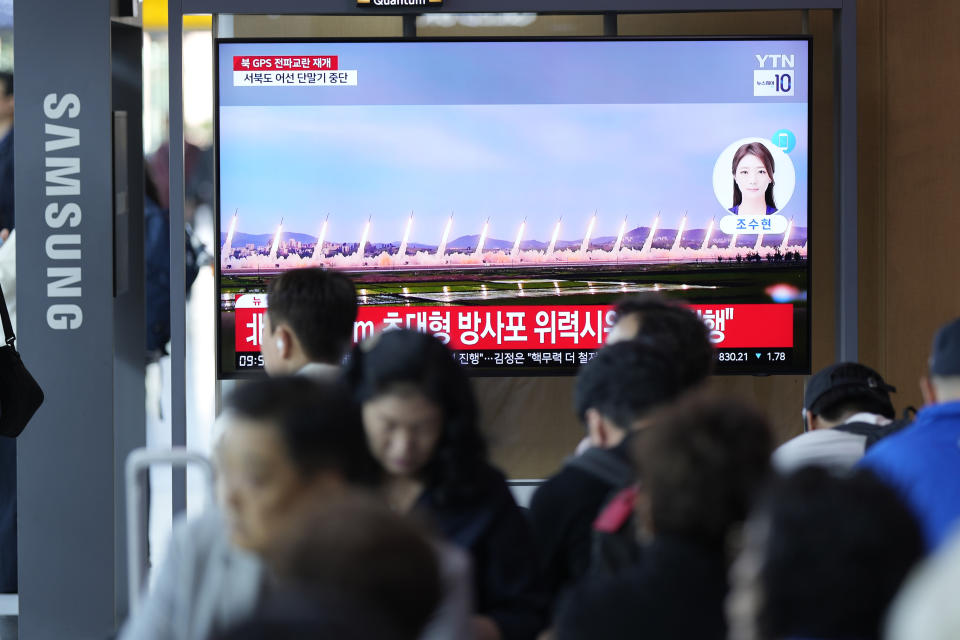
502, 162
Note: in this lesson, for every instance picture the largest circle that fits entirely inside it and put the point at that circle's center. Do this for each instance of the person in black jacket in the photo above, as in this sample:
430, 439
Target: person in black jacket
614, 393
419, 416
702, 461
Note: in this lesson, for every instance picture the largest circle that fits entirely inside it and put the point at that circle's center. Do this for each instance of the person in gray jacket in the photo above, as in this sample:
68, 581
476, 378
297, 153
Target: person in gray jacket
287, 442
846, 408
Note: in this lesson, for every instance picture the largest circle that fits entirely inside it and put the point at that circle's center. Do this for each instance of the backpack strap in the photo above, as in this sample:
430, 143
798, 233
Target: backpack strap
872, 432
888, 430
858, 428
617, 512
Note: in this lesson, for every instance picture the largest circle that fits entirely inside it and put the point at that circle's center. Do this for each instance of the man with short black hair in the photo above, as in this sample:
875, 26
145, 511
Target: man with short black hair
308, 326
671, 325
923, 460
614, 393
703, 460
846, 409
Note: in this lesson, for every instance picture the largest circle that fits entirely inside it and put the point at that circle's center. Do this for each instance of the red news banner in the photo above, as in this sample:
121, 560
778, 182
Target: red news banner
523, 328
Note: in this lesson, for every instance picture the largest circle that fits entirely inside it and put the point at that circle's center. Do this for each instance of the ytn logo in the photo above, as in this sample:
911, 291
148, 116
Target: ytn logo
775, 60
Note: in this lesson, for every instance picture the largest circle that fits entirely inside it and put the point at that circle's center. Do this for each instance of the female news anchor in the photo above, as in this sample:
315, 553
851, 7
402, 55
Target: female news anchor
419, 417
753, 168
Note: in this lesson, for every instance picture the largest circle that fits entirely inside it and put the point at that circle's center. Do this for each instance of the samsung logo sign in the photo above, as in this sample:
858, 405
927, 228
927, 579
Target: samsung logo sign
62, 214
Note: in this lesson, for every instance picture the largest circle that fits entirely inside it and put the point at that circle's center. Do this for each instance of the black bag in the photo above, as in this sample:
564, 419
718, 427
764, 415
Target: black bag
20, 395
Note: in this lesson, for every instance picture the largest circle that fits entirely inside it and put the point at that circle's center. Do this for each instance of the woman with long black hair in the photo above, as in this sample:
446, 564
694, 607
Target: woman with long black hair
420, 420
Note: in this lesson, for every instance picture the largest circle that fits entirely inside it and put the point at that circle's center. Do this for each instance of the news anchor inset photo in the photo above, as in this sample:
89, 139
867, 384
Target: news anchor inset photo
754, 177
753, 169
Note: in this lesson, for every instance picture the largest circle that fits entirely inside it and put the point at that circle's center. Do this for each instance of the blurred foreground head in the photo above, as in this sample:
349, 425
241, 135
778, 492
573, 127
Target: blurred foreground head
926, 606
703, 461
617, 390
286, 440
351, 570
943, 383
823, 557
675, 328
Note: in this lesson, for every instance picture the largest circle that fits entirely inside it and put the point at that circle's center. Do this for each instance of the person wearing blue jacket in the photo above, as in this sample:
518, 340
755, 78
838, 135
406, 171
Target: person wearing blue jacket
923, 460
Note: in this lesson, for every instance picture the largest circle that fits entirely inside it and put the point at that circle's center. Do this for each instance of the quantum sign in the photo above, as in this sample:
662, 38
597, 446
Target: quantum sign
399, 3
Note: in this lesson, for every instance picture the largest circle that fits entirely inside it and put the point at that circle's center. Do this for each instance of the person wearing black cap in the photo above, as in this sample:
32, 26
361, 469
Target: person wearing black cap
923, 460
846, 408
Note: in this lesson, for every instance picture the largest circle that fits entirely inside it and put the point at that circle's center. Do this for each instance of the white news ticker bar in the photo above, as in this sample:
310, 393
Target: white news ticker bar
291, 78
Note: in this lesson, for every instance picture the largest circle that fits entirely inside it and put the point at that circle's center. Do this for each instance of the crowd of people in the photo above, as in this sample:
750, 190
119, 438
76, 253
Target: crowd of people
357, 501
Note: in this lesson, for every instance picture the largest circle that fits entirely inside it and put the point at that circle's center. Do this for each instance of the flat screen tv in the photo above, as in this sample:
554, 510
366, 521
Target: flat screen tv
503, 194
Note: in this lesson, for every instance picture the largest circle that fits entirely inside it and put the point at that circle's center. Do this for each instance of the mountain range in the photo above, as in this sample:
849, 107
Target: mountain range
633, 239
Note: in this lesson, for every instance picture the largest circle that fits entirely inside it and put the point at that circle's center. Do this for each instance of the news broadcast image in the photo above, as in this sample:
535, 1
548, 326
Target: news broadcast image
503, 195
